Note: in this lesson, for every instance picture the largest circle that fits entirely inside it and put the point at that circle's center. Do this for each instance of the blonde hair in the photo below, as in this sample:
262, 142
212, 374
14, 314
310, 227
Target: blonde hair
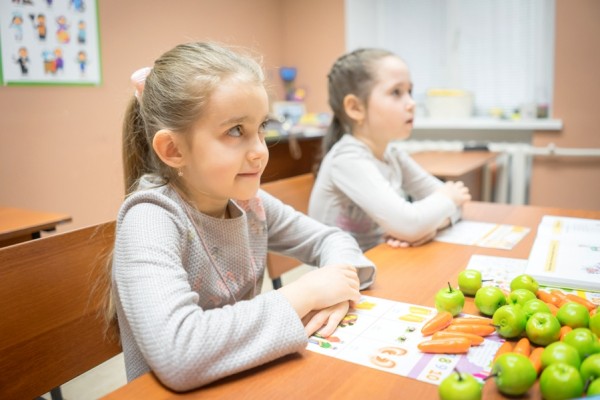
174, 96
352, 73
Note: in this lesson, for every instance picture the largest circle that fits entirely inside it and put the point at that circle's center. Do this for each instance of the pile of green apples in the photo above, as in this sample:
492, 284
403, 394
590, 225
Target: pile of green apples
570, 364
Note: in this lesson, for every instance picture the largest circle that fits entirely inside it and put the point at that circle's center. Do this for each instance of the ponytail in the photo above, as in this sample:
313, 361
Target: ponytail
334, 133
136, 149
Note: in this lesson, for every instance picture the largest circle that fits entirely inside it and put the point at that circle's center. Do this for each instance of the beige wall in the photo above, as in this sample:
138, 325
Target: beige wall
573, 182
61, 145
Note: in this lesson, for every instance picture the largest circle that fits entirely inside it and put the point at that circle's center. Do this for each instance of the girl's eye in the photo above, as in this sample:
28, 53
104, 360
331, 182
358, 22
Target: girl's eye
236, 131
263, 127
397, 92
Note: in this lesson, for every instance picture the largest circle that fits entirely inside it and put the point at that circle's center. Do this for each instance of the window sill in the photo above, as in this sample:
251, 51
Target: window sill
489, 124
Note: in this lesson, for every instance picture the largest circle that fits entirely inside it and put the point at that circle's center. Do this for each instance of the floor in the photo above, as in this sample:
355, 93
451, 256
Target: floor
110, 375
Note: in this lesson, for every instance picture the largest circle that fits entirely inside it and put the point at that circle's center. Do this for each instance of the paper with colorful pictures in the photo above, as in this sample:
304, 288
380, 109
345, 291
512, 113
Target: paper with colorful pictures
483, 234
384, 335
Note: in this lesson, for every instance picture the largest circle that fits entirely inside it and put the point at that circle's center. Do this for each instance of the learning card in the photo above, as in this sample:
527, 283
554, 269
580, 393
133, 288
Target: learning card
384, 335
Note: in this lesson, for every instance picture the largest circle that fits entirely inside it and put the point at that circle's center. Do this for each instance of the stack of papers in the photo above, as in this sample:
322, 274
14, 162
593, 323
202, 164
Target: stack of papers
566, 253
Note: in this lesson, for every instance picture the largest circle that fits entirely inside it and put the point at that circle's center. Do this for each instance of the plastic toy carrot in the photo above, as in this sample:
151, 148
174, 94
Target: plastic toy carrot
547, 297
564, 330
469, 321
573, 297
439, 321
559, 294
553, 308
536, 358
505, 348
476, 329
475, 340
523, 347
445, 346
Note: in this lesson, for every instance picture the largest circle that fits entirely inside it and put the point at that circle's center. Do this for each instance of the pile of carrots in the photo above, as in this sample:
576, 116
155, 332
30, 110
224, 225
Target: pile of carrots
454, 335
555, 298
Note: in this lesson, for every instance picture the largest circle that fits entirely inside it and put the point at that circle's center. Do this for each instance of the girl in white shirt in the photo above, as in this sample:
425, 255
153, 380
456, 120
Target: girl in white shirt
364, 180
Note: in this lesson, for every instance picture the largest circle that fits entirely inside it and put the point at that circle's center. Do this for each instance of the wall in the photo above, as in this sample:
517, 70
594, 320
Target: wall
61, 146
573, 182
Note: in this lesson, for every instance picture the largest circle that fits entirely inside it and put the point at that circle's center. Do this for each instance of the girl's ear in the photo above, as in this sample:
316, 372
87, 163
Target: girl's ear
167, 144
354, 108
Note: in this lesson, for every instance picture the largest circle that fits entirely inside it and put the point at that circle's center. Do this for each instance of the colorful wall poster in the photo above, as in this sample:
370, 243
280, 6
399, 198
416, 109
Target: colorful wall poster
49, 42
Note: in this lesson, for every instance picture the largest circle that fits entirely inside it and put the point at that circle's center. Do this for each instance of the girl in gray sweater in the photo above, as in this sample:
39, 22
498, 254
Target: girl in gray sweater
193, 233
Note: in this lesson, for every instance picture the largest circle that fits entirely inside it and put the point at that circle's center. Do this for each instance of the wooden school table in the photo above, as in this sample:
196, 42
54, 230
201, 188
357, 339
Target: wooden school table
19, 225
411, 275
470, 167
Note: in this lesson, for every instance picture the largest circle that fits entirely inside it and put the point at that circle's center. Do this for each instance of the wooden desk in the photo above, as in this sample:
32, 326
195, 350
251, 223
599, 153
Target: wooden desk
411, 275
19, 225
467, 166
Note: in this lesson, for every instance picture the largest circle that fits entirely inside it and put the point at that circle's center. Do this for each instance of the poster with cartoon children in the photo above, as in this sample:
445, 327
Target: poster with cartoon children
49, 42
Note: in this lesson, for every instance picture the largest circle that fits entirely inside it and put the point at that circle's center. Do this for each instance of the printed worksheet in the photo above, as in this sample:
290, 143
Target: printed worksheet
384, 335
483, 234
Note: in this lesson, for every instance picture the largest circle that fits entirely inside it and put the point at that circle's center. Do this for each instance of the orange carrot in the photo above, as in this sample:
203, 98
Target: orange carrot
445, 346
439, 321
564, 330
547, 297
553, 308
536, 358
559, 294
589, 305
474, 339
481, 330
468, 321
505, 348
523, 347
593, 312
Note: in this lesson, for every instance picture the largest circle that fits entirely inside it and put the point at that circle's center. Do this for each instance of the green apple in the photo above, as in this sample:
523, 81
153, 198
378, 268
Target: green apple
594, 323
560, 352
510, 320
449, 299
542, 328
514, 374
488, 299
524, 281
583, 340
469, 281
590, 368
594, 388
520, 296
574, 315
561, 381
460, 386
535, 305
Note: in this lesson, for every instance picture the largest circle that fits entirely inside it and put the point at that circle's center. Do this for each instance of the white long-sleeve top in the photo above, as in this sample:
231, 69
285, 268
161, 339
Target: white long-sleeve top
192, 320
367, 197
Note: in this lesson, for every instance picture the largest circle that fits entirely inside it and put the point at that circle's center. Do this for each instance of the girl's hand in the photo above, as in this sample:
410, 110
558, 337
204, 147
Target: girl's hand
456, 191
322, 288
399, 243
326, 320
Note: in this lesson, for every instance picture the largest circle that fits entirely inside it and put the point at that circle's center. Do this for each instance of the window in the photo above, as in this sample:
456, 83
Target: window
500, 50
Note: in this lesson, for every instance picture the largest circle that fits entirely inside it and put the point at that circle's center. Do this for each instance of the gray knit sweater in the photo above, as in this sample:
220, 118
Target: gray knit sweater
192, 320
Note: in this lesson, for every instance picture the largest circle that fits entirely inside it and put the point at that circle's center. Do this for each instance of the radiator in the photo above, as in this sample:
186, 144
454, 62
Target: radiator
512, 165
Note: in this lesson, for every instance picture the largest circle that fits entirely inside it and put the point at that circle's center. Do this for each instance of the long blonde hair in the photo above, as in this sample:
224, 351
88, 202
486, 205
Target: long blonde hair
174, 96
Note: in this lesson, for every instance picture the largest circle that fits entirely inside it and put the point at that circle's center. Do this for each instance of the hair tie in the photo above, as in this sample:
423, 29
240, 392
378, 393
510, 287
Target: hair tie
138, 79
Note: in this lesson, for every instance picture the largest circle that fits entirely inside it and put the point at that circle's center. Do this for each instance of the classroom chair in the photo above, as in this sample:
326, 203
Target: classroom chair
294, 191
51, 323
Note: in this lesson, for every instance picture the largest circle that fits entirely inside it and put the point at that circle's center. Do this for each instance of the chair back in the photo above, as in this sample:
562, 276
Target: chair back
51, 324
294, 191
